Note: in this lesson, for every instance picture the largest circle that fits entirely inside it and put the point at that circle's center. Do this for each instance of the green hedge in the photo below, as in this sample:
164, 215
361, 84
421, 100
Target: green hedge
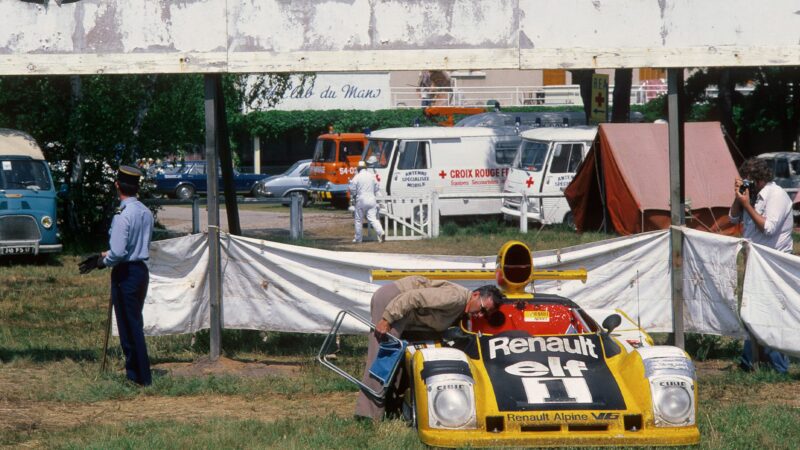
309, 123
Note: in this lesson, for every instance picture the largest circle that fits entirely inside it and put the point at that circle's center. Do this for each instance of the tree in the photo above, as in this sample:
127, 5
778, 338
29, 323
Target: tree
95, 123
621, 111
583, 78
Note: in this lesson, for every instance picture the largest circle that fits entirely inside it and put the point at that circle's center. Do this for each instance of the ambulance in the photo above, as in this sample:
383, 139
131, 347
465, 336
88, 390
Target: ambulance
418, 161
546, 163
334, 164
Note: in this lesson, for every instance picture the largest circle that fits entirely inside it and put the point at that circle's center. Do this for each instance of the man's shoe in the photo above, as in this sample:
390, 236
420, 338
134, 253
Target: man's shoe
355, 241
382, 238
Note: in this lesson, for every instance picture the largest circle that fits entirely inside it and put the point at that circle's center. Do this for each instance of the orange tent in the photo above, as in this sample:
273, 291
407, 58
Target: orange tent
624, 181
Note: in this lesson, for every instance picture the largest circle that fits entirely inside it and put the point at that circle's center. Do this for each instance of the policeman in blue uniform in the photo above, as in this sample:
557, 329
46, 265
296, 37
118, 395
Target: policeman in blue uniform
130, 234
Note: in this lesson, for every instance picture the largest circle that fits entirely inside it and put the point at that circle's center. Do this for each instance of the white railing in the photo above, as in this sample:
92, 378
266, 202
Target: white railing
417, 218
564, 95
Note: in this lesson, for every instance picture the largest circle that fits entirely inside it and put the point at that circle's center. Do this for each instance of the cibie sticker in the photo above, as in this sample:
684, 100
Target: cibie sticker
6, 165
537, 316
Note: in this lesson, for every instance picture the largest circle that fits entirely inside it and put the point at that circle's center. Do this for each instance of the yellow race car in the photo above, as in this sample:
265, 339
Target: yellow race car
540, 371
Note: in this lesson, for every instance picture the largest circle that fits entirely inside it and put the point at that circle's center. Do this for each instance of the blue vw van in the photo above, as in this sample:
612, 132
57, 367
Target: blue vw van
27, 197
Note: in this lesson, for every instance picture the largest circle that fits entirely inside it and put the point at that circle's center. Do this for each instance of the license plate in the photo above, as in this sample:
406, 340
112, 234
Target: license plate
16, 250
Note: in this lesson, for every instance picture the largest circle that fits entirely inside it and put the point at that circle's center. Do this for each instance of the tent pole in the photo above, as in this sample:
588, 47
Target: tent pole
677, 196
215, 296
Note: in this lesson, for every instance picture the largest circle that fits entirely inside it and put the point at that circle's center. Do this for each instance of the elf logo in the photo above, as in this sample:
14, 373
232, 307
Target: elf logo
605, 416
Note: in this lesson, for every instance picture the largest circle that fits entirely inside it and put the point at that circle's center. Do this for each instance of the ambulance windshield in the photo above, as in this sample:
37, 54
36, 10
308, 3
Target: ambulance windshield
532, 156
381, 150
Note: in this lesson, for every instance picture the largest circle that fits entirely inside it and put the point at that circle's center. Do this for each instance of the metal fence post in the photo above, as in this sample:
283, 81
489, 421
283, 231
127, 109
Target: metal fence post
195, 214
296, 216
523, 214
434, 215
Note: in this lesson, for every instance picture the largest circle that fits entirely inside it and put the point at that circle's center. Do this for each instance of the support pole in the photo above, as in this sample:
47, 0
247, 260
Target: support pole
195, 214
296, 216
677, 197
256, 154
214, 275
523, 213
434, 215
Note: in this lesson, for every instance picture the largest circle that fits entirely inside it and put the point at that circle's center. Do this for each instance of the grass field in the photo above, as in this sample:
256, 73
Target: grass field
52, 394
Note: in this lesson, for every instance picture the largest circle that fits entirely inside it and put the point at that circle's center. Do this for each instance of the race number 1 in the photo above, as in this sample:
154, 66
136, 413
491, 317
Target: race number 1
557, 390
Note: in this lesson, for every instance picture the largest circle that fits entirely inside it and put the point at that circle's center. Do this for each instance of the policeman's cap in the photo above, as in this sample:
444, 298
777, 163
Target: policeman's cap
129, 175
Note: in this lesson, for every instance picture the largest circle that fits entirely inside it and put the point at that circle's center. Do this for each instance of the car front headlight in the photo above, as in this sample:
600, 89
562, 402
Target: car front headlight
672, 377
47, 222
452, 406
673, 402
451, 402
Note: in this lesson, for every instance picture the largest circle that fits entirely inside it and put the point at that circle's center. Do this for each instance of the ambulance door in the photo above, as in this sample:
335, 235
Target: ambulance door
410, 177
564, 162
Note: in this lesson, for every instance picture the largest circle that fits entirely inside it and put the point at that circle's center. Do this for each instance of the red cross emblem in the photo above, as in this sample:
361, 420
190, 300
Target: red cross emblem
529, 182
442, 174
599, 99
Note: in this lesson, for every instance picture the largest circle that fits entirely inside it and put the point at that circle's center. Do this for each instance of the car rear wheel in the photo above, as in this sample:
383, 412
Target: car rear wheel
184, 192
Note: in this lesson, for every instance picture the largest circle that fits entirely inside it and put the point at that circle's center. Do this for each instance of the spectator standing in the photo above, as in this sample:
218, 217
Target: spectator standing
766, 212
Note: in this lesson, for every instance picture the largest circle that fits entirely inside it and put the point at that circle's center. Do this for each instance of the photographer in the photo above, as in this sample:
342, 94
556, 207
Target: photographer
766, 211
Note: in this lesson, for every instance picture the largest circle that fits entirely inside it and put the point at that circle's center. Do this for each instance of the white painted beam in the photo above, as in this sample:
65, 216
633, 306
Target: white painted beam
208, 36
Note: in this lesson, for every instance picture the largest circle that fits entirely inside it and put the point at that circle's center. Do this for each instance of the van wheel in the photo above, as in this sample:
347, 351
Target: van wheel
569, 221
184, 192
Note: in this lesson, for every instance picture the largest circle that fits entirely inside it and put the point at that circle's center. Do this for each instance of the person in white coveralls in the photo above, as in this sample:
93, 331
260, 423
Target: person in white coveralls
363, 189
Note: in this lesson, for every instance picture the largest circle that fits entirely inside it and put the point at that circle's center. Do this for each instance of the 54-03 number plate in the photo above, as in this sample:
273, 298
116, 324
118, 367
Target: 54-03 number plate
16, 250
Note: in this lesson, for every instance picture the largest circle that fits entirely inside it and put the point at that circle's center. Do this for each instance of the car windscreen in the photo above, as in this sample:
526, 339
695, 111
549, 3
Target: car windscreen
292, 168
532, 156
381, 150
325, 151
24, 174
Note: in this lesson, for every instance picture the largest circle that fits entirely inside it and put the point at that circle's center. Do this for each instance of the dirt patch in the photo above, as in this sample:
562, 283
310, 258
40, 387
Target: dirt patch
226, 366
29, 416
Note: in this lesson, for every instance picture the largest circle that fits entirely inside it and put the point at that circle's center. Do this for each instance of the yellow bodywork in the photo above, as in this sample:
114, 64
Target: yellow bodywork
634, 425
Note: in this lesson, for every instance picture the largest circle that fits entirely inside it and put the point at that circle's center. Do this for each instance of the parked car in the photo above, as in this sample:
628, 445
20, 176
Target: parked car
28, 222
786, 170
295, 179
190, 178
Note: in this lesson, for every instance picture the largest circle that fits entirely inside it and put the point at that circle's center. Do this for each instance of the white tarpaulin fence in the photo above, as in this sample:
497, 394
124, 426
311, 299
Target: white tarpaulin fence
281, 287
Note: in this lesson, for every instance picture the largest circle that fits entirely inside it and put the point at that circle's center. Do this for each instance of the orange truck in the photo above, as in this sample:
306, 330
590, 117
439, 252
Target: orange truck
334, 164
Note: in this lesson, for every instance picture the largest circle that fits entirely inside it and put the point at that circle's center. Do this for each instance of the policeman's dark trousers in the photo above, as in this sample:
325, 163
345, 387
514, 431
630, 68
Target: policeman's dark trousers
366, 405
128, 289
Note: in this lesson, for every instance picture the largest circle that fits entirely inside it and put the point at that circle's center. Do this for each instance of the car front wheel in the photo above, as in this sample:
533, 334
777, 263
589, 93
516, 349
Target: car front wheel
184, 192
